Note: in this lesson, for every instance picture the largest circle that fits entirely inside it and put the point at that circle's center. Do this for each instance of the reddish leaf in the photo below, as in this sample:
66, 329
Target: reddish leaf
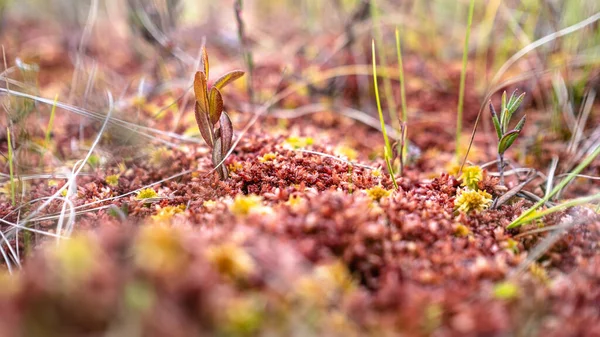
201, 92
204, 125
215, 103
226, 131
205, 62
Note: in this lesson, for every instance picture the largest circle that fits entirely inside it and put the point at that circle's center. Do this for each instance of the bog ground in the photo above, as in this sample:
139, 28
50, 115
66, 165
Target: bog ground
299, 168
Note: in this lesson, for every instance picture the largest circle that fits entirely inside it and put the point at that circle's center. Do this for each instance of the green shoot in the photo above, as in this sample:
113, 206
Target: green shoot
404, 129
463, 75
209, 112
387, 149
524, 217
505, 137
401, 72
387, 82
50, 122
567, 204
10, 168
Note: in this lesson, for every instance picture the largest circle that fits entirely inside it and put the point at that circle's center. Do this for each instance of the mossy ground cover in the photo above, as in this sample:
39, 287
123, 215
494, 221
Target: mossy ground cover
117, 220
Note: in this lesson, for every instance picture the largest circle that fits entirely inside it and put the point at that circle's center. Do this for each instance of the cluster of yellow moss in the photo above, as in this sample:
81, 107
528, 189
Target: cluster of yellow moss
470, 197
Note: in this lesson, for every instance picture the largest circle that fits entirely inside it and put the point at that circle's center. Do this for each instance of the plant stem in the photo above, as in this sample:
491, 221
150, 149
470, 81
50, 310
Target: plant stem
387, 82
387, 149
501, 168
463, 74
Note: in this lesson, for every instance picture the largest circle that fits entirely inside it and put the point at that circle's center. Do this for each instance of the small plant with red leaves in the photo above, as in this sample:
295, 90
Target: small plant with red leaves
209, 113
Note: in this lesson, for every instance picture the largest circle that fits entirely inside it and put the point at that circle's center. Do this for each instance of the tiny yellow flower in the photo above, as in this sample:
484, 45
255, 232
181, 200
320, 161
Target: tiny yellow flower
346, 151
166, 213
462, 231
244, 204
377, 193
147, 193
267, 157
506, 291
471, 176
231, 261
112, 180
298, 142
471, 200
235, 166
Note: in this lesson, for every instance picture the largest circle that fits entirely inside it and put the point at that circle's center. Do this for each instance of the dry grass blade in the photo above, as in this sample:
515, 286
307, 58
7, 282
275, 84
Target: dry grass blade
512, 192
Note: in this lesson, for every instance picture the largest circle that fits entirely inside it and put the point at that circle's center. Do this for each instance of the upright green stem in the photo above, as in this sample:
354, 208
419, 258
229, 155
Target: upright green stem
387, 149
461, 94
387, 82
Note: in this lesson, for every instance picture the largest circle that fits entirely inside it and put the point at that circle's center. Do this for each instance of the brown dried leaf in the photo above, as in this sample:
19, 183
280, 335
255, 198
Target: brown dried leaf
201, 92
215, 103
204, 125
226, 132
205, 61
228, 78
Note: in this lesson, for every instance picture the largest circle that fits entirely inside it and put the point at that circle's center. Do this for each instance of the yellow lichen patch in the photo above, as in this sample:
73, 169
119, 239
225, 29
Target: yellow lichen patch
346, 151
469, 200
376, 193
112, 180
267, 157
146, 193
298, 142
166, 213
470, 176
244, 204
158, 249
231, 261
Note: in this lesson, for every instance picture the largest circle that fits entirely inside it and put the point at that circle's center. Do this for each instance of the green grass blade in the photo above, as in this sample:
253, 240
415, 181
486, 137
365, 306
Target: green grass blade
463, 75
401, 77
584, 163
562, 206
388, 148
387, 82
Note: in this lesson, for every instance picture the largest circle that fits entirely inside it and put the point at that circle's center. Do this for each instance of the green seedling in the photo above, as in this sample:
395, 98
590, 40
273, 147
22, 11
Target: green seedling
505, 136
388, 153
209, 112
